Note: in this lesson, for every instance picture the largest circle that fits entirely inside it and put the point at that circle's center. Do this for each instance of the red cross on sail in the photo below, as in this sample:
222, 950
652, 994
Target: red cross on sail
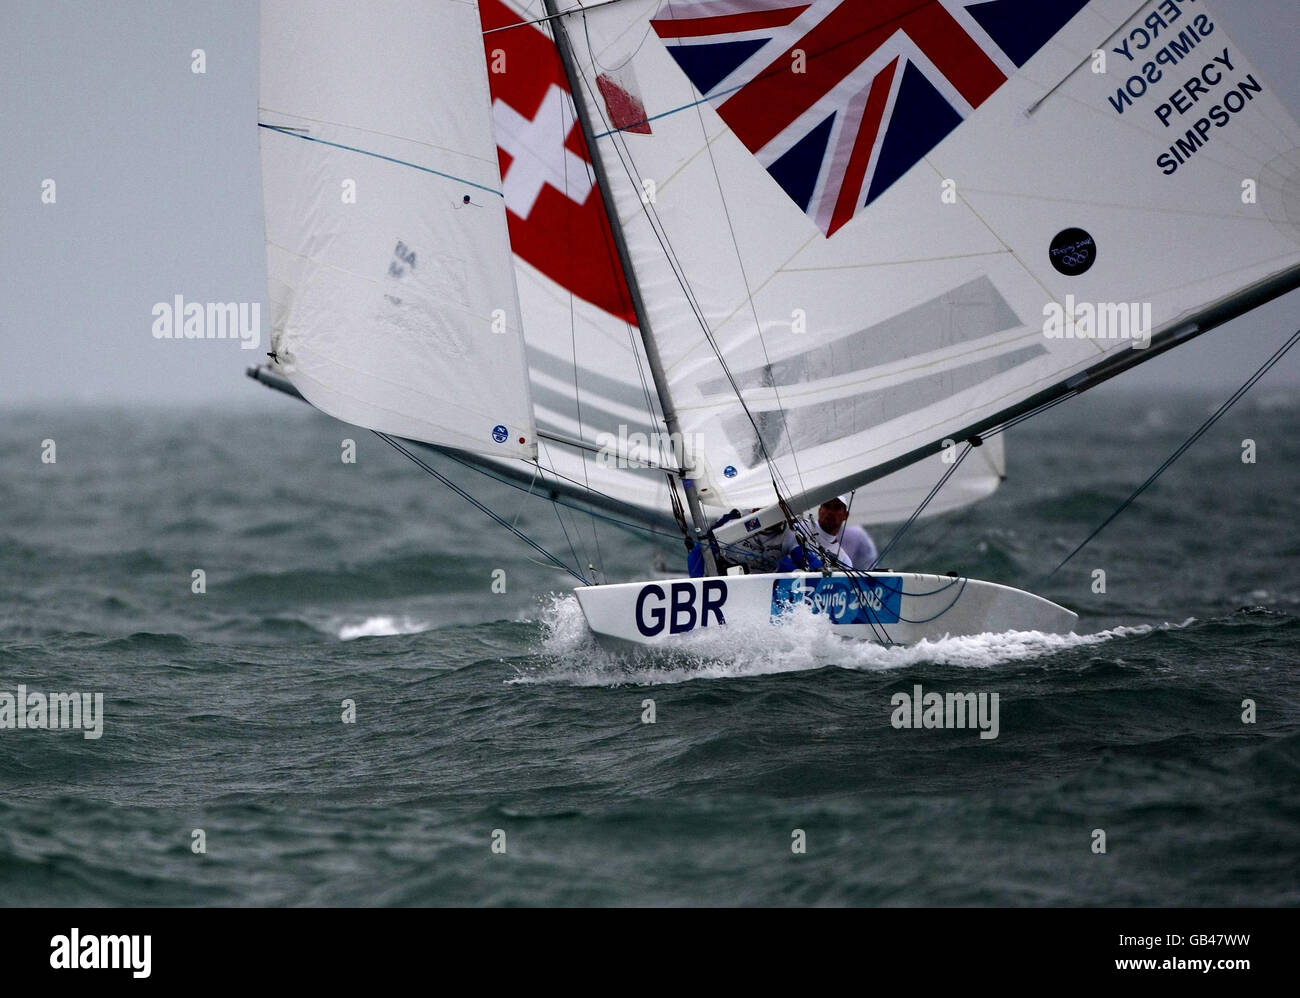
556, 214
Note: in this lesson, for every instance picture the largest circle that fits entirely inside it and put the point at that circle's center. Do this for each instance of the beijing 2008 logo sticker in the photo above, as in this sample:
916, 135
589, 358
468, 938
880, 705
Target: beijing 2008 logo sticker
1073, 252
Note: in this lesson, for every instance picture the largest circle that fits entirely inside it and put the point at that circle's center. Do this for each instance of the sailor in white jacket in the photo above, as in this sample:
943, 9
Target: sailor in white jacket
847, 546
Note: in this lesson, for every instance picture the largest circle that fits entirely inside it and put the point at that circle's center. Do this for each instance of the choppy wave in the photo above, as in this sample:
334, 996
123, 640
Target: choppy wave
330, 587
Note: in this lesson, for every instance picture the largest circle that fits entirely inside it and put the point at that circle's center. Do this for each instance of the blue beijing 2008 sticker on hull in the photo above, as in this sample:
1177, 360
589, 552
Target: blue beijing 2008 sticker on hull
874, 600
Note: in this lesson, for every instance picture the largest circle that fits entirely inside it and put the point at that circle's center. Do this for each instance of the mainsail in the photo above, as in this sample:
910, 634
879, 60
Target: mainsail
391, 286
587, 365
883, 225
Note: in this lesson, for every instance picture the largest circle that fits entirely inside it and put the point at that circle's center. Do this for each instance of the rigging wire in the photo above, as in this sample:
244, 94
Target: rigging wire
679, 511
423, 465
1186, 445
916, 513
620, 147
599, 564
653, 419
1001, 428
578, 83
572, 550
555, 505
661, 236
551, 17
537, 470
656, 227
806, 533
753, 310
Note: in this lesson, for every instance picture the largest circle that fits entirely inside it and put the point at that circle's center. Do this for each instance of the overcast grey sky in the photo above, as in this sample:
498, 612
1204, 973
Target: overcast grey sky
158, 193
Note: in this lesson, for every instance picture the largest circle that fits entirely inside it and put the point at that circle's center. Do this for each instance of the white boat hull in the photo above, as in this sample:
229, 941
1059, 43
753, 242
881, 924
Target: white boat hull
885, 607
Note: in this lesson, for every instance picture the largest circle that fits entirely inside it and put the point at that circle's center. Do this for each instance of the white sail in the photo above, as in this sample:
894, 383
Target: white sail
391, 287
588, 367
897, 496
586, 359
872, 211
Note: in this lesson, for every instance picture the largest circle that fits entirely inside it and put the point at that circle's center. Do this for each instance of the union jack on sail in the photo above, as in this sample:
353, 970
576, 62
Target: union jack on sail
839, 99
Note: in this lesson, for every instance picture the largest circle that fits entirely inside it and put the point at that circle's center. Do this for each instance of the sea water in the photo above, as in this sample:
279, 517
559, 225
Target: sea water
373, 695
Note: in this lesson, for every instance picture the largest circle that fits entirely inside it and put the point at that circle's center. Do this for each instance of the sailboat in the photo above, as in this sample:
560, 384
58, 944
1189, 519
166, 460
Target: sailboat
834, 240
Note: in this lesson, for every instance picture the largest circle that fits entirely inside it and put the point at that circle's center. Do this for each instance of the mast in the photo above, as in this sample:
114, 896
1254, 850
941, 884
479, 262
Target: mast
671, 422
926, 305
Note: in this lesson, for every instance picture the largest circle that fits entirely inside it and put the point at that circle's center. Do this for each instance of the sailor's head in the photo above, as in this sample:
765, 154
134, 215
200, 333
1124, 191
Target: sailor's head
832, 514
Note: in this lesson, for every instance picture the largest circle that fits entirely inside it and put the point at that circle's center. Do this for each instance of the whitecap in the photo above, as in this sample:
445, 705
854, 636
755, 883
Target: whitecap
381, 626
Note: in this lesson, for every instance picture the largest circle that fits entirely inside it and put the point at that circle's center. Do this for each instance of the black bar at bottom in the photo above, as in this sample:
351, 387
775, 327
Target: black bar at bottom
482, 949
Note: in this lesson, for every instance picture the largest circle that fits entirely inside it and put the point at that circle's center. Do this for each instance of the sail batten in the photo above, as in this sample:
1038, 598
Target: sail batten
1219, 313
